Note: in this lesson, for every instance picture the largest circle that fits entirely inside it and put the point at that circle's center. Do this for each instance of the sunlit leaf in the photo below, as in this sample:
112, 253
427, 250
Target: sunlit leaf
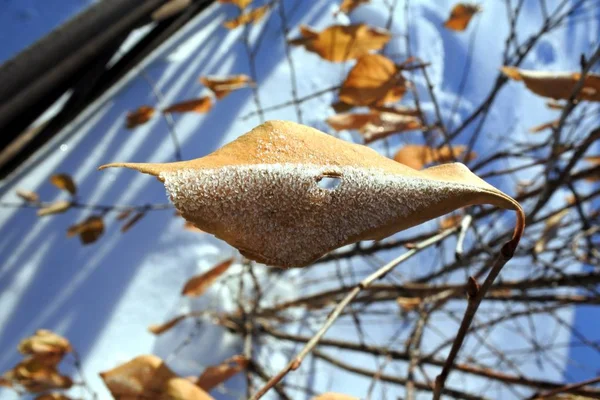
64, 182
417, 156
57, 207
53, 396
37, 376
334, 396
555, 105
188, 226
147, 377
139, 116
374, 125
200, 105
407, 304
240, 3
261, 194
544, 126
197, 285
340, 43
550, 231
557, 85
400, 110
5, 382
374, 80
88, 230
169, 9
222, 86
461, 15
28, 196
217, 374
252, 16
132, 221
348, 6
45, 345
162, 328
451, 221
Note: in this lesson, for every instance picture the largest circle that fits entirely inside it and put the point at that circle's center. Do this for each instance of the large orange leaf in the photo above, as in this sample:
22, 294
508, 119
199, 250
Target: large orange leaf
200, 105
340, 43
557, 85
252, 16
197, 285
417, 156
45, 345
147, 377
261, 193
374, 80
217, 374
461, 15
88, 230
222, 86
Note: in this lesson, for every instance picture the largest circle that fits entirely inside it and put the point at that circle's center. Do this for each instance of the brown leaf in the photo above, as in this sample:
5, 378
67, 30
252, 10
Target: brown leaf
200, 105
341, 107
222, 86
461, 15
242, 4
407, 304
261, 194
148, 377
58, 207
169, 9
53, 396
334, 396
339, 43
400, 110
348, 6
188, 226
124, 214
374, 80
417, 156
35, 375
217, 374
593, 159
139, 116
555, 105
162, 328
64, 182
252, 16
550, 231
28, 196
5, 382
556, 85
543, 127
451, 221
88, 230
132, 221
45, 345
374, 125
197, 285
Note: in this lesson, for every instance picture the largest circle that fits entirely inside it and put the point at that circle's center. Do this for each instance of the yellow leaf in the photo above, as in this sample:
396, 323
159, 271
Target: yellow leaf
139, 116
461, 15
217, 374
556, 85
200, 105
88, 230
544, 126
57, 207
339, 43
242, 4
374, 80
348, 6
222, 86
261, 193
197, 285
169, 9
28, 196
334, 396
45, 345
132, 221
162, 328
550, 231
417, 156
374, 125
252, 16
64, 182
148, 377
408, 303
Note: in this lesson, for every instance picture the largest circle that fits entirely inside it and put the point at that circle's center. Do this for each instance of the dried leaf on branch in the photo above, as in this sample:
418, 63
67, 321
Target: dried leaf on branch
36, 376
252, 16
544, 126
261, 193
169, 9
28, 196
348, 6
148, 377
201, 105
132, 221
217, 374
64, 182
418, 156
408, 304
162, 328
374, 125
334, 396
197, 285
374, 80
461, 15
58, 207
557, 85
550, 231
139, 116
222, 86
242, 4
45, 345
339, 43
53, 396
88, 230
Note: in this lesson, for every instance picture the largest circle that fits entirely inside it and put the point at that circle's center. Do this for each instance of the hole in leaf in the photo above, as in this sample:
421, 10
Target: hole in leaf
329, 180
